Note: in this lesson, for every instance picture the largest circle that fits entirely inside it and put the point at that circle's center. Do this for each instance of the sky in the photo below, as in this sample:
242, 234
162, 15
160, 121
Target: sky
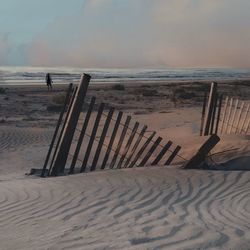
125, 33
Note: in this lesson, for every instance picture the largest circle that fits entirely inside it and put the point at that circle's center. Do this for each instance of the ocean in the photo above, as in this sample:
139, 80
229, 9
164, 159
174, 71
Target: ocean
64, 75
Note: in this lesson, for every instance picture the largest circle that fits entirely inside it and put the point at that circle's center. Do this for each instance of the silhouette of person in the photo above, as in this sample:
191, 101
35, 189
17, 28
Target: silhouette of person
49, 81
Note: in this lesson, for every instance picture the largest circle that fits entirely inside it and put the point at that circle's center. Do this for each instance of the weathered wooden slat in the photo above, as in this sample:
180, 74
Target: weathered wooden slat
247, 127
218, 114
118, 148
62, 130
67, 98
150, 152
229, 115
92, 137
102, 138
139, 138
239, 117
213, 114
198, 159
203, 113
132, 135
172, 156
234, 116
140, 152
244, 119
112, 139
70, 127
210, 108
224, 115
162, 153
82, 134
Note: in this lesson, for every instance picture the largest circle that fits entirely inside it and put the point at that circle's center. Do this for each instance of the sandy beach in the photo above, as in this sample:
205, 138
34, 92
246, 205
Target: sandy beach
141, 208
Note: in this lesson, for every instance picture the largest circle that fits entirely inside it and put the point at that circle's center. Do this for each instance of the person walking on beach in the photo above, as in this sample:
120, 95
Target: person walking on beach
49, 81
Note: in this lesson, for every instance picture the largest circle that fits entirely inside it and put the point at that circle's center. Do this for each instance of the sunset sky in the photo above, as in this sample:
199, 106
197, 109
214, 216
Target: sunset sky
125, 33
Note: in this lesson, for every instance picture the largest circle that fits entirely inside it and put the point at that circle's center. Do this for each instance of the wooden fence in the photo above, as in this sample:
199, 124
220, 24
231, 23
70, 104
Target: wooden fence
101, 138
224, 115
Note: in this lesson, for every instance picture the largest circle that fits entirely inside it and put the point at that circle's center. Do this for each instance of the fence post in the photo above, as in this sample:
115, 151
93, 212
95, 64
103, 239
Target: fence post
234, 116
129, 142
112, 139
213, 113
102, 138
203, 113
245, 119
120, 142
139, 138
70, 127
210, 107
150, 152
92, 137
63, 127
229, 115
162, 153
82, 134
239, 117
218, 114
200, 156
140, 152
224, 115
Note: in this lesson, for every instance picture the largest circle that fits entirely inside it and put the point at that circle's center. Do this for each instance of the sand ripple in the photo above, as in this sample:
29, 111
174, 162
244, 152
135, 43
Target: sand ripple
127, 209
14, 138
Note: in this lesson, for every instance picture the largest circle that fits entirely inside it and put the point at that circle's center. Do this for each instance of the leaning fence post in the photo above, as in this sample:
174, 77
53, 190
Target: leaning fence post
129, 142
140, 152
112, 139
210, 107
120, 142
234, 115
229, 115
61, 133
102, 138
203, 113
244, 119
57, 129
172, 156
200, 156
92, 137
218, 114
162, 153
150, 152
213, 113
137, 142
224, 115
69, 131
239, 117
82, 134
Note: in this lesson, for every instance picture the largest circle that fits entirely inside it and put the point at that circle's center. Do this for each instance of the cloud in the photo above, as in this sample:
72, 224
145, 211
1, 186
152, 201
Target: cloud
144, 33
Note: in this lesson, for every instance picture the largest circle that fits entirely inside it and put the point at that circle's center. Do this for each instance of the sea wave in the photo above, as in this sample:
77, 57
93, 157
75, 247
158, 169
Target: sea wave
31, 75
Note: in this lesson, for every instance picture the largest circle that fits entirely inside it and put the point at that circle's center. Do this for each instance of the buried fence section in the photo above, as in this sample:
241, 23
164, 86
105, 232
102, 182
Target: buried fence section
96, 137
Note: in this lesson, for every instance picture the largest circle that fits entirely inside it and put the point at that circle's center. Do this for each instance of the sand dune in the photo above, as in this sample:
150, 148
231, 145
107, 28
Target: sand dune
142, 208
148, 208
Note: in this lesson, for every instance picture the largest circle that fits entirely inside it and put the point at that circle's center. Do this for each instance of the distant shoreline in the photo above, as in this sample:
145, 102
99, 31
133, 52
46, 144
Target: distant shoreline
127, 83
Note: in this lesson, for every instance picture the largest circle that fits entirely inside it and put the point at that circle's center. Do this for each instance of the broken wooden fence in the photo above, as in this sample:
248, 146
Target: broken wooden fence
101, 138
224, 115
